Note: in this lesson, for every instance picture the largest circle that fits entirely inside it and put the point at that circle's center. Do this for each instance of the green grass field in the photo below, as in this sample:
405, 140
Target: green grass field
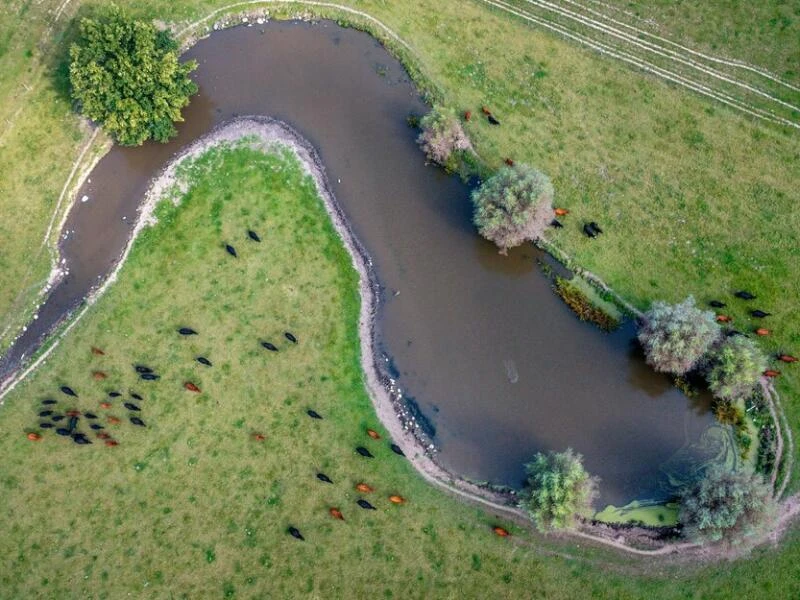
193, 505
694, 198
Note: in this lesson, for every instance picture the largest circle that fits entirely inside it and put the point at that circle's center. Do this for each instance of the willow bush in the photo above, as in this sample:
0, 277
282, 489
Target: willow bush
675, 337
513, 206
736, 367
725, 505
443, 139
559, 490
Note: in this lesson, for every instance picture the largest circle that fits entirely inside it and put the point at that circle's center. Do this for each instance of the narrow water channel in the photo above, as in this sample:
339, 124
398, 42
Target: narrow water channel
493, 358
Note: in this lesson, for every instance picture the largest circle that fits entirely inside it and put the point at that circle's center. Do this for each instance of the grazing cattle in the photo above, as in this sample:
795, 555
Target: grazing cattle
396, 449
191, 387
364, 488
34, 437
561, 212
771, 373
509, 162
253, 235
187, 331
373, 434
313, 414
596, 227
149, 376
762, 331
324, 478
46, 425
68, 391
113, 420
137, 396
62, 431
204, 361
137, 421
73, 413
81, 439
744, 295
723, 319
336, 513
231, 250
395, 499
289, 336
259, 437
114, 394
89, 415
467, 115
760, 314
98, 375
48, 401
295, 533
45, 413
111, 443
485, 110
493, 120
588, 231
717, 304
500, 531
131, 406
57, 418
97, 352
142, 369
96, 426
270, 347
105, 405
556, 223
72, 423
364, 452
787, 358
102, 435
365, 505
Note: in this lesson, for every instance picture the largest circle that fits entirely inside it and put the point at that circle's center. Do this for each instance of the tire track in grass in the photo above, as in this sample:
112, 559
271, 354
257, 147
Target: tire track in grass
646, 46
642, 64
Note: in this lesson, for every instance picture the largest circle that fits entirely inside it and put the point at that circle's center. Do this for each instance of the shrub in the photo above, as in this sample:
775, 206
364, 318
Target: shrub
513, 206
443, 139
559, 490
725, 505
126, 75
675, 337
735, 368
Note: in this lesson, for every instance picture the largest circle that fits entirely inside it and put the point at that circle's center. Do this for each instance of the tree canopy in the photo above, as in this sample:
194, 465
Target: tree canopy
126, 75
676, 336
736, 368
559, 490
513, 206
725, 505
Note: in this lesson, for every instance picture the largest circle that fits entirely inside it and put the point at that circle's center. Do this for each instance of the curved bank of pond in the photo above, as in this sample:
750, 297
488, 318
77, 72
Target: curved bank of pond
495, 362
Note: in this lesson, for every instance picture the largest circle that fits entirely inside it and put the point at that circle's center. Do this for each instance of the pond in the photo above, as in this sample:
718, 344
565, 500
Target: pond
496, 362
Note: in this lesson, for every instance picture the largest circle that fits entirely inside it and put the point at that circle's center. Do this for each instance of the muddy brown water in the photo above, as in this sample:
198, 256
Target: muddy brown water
493, 358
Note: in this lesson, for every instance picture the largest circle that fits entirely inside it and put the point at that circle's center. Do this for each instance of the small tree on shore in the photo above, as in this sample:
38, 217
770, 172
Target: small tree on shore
513, 206
676, 336
559, 490
125, 75
725, 505
736, 367
442, 138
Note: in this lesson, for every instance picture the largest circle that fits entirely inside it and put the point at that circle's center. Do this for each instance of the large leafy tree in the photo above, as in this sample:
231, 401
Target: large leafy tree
725, 505
559, 490
126, 75
676, 336
513, 206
